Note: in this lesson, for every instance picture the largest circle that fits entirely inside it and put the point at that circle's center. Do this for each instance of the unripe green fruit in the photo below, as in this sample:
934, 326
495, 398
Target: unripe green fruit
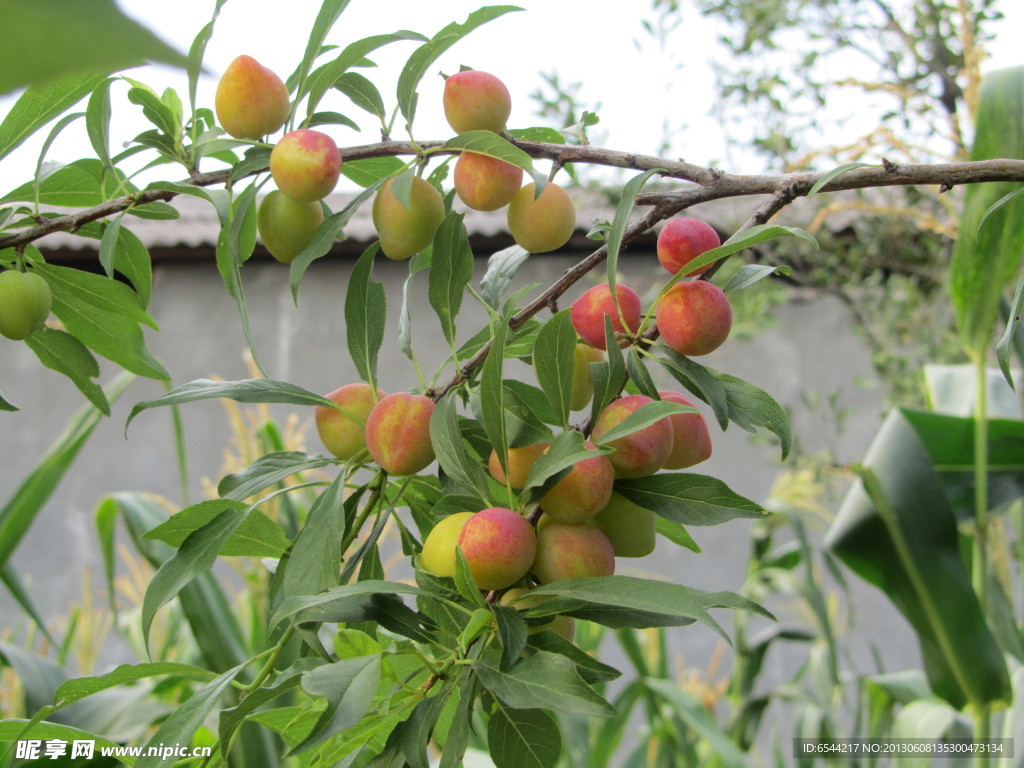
305, 165
342, 430
544, 224
694, 318
476, 101
640, 453
499, 546
438, 555
251, 101
398, 433
25, 300
287, 226
404, 232
631, 529
572, 551
485, 183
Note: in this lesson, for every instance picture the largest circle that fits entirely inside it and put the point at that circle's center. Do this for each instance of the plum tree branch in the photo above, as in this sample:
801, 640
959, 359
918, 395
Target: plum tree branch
711, 183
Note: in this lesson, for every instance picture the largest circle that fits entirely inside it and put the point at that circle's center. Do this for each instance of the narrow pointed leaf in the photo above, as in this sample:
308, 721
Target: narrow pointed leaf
897, 531
424, 56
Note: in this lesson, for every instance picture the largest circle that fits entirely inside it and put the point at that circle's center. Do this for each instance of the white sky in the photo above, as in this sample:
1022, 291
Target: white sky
599, 43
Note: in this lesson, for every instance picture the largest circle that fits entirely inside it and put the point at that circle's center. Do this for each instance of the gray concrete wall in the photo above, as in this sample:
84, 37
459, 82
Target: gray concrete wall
811, 348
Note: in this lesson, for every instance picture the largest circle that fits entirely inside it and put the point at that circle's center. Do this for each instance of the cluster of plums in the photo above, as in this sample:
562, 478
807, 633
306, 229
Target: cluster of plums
475, 101
581, 525
694, 317
252, 102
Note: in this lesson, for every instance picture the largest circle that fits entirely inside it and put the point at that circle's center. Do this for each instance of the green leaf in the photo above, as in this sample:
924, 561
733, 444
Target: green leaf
644, 416
371, 170
626, 601
104, 315
40, 104
676, 533
565, 451
315, 560
747, 238
235, 243
609, 376
688, 499
83, 687
464, 581
337, 600
97, 121
451, 269
60, 351
63, 38
731, 399
835, 173
545, 680
492, 393
363, 94
638, 373
269, 469
424, 56
80, 183
982, 265
692, 711
749, 274
1005, 345
491, 144
457, 739
186, 719
23, 506
539, 133
523, 738
590, 669
451, 451
1007, 198
244, 391
621, 220
230, 720
327, 76
325, 236
349, 686
501, 269
897, 531
554, 363
417, 730
512, 632
17, 590
197, 51
154, 109
417, 264
13, 729
257, 536
6, 405
196, 555
218, 635
330, 10
365, 316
